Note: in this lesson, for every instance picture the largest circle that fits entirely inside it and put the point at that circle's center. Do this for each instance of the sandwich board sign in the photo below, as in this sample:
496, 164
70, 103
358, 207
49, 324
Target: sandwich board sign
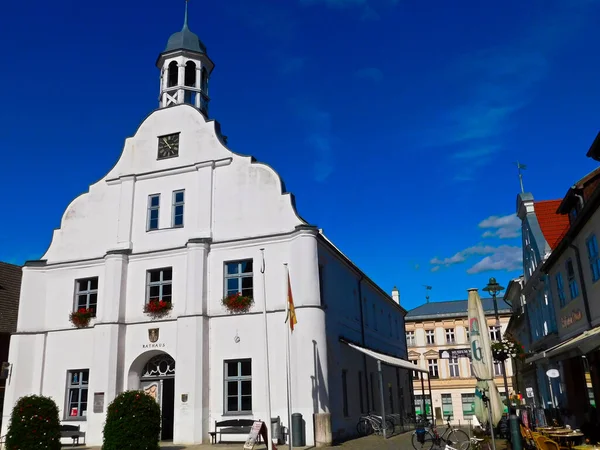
258, 429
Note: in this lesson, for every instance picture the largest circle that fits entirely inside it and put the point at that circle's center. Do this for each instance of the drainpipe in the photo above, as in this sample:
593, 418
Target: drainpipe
586, 304
362, 334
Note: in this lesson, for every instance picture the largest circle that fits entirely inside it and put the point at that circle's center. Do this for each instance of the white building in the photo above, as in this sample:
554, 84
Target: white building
182, 218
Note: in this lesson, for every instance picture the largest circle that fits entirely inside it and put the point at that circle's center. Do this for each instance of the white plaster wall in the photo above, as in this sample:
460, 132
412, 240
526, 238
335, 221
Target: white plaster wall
227, 196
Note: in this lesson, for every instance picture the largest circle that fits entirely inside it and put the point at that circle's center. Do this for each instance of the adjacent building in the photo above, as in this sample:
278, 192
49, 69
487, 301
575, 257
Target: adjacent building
559, 297
183, 222
438, 341
10, 285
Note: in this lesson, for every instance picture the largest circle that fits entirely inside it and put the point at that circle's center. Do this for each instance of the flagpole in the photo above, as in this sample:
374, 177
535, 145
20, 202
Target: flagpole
267, 377
287, 359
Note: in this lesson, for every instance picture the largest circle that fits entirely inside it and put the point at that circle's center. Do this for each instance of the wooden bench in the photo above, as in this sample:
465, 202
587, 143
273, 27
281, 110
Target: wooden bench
231, 426
73, 432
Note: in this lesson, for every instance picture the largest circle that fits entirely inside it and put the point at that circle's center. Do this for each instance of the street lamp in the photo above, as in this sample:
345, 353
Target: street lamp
493, 288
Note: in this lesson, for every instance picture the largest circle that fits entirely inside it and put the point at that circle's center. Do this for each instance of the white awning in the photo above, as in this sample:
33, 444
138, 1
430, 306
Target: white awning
585, 342
386, 359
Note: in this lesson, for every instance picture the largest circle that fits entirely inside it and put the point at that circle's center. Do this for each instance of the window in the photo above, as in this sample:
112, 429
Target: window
415, 374
497, 369
454, 370
374, 317
321, 287
573, 289
447, 409
390, 322
153, 208
560, 288
345, 392
77, 393
86, 294
238, 278
410, 338
494, 333
178, 202
450, 336
419, 405
430, 334
592, 247
159, 284
471, 366
467, 333
238, 386
433, 368
360, 392
468, 405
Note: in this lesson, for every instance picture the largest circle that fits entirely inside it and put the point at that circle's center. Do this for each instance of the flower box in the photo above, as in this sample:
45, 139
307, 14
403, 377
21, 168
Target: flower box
81, 318
158, 308
237, 303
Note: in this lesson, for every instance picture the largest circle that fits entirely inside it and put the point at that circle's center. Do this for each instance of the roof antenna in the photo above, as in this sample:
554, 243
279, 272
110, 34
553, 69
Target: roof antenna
427, 289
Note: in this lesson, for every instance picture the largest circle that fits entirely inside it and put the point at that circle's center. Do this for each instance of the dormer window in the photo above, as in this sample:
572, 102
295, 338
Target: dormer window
573, 215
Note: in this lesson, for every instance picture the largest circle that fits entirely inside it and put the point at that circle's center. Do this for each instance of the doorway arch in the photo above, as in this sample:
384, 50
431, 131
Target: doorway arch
154, 374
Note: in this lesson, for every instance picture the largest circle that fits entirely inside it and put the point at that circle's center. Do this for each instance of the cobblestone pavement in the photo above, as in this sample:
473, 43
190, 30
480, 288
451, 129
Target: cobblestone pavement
399, 441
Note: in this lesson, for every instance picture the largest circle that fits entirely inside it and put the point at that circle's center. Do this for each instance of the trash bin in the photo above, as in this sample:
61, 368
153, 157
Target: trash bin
298, 432
276, 434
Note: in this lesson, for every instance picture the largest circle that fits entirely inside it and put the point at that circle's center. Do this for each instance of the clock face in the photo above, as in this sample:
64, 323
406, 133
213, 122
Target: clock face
168, 146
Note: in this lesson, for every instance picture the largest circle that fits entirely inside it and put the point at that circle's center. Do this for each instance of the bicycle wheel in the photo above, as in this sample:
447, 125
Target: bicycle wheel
364, 427
426, 443
390, 425
459, 440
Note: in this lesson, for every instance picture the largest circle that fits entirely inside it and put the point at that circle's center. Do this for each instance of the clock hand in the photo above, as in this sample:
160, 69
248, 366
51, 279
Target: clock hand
165, 141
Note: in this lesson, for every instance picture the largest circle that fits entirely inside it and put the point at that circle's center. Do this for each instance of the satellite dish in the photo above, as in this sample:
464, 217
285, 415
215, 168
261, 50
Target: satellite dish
553, 373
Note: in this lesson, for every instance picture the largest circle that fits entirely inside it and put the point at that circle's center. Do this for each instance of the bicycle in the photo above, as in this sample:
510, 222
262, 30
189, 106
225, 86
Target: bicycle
425, 439
372, 423
480, 444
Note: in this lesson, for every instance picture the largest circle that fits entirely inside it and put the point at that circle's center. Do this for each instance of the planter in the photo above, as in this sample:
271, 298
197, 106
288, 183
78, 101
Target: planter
158, 308
81, 318
506, 348
237, 303
499, 355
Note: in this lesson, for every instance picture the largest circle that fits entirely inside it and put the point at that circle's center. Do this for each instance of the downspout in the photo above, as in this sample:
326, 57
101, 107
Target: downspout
588, 314
362, 336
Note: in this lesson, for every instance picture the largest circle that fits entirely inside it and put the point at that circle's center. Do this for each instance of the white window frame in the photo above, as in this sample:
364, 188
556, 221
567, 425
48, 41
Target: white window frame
149, 213
239, 276
175, 205
433, 368
410, 338
239, 378
430, 334
450, 336
161, 283
87, 294
77, 389
494, 333
454, 368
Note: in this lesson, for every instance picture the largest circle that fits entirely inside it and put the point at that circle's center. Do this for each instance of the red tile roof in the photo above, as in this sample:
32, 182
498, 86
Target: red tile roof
553, 225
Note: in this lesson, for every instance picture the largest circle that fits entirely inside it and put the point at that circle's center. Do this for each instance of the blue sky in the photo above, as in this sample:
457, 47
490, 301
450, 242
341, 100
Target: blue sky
396, 123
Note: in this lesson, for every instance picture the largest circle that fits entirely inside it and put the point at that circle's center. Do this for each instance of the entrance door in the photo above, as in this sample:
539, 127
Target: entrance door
158, 380
167, 408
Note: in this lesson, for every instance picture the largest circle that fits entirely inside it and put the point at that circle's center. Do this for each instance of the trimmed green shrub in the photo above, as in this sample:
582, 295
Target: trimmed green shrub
132, 422
34, 424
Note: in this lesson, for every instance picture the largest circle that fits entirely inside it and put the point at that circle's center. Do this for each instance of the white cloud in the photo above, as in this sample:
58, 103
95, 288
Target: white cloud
503, 227
504, 257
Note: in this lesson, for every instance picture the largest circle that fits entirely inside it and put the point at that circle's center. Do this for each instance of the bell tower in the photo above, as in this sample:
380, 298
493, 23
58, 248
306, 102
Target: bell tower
184, 70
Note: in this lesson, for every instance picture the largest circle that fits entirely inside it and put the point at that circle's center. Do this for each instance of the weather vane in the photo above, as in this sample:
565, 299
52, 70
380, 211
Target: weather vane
519, 168
427, 289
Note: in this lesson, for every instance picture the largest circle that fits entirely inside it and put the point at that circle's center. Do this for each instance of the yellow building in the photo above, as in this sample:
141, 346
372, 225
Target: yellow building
437, 339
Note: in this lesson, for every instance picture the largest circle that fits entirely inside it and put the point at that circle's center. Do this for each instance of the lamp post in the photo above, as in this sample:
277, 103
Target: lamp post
493, 288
